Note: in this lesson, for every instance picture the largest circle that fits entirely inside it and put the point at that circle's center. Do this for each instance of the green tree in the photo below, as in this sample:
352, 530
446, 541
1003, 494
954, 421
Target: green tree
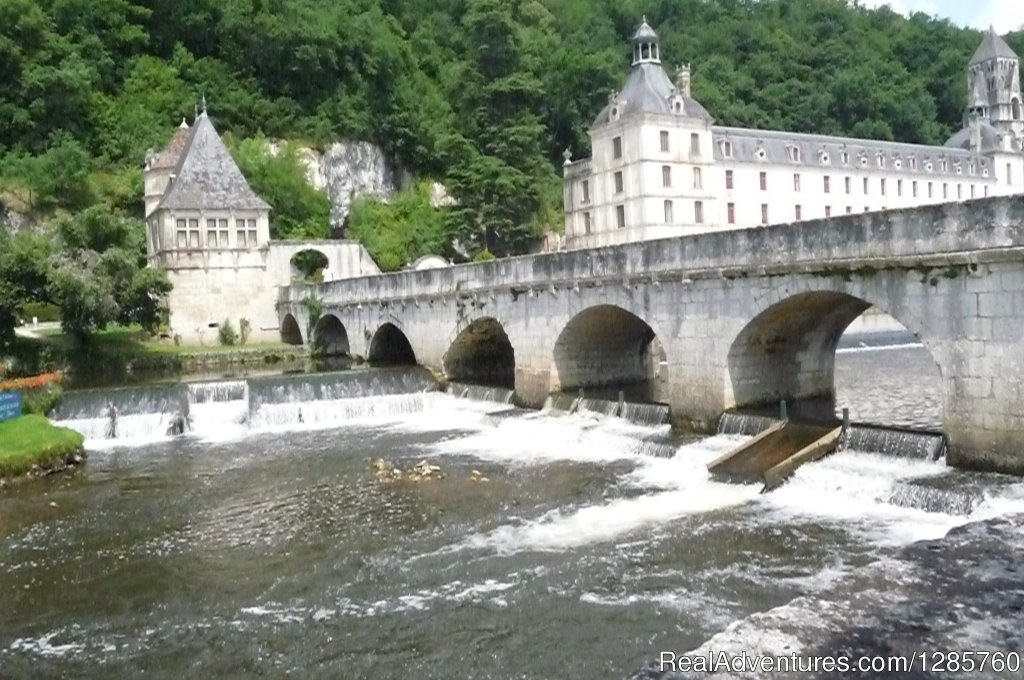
400, 230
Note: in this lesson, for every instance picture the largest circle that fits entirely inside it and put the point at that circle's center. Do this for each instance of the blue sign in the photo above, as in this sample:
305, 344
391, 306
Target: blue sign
10, 405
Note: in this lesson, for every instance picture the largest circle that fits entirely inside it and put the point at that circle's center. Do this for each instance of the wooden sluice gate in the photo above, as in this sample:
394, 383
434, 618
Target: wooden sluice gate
773, 455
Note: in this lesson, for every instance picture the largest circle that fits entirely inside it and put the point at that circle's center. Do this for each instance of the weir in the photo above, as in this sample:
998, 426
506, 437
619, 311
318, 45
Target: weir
638, 413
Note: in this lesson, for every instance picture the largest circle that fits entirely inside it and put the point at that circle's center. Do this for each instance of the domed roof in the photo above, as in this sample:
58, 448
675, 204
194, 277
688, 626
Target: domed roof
645, 34
648, 90
991, 138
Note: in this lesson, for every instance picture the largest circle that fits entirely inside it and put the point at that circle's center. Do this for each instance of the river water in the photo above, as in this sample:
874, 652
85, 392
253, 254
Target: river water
264, 542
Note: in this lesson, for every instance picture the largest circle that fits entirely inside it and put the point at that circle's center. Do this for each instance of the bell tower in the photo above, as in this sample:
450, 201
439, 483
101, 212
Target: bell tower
993, 85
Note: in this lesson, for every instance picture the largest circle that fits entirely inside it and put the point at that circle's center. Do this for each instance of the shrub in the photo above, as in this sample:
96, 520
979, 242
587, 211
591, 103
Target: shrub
244, 330
40, 401
484, 256
226, 333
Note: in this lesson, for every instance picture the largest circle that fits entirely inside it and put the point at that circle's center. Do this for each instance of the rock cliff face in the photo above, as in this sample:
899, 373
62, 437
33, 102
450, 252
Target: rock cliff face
12, 221
350, 169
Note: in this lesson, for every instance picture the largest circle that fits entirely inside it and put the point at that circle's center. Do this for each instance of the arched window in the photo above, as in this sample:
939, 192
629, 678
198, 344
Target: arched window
1015, 109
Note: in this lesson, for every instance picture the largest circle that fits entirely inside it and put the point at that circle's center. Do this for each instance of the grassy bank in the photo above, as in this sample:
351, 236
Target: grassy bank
33, 440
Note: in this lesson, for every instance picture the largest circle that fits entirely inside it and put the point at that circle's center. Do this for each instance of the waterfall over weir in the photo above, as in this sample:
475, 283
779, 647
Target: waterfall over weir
226, 406
646, 414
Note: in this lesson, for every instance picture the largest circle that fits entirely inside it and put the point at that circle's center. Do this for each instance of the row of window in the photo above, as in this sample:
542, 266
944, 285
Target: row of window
848, 185
218, 234
666, 146
795, 155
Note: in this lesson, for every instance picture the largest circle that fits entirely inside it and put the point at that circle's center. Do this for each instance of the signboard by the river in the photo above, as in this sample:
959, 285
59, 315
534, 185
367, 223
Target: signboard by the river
10, 405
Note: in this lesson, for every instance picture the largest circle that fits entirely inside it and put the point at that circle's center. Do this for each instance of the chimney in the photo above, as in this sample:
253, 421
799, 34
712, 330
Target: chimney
975, 127
683, 80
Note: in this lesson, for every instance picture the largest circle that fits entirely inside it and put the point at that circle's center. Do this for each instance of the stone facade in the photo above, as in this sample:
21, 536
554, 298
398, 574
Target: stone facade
210, 232
743, 317
661, 168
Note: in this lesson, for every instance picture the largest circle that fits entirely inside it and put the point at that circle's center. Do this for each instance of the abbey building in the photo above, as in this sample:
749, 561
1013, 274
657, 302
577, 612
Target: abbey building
660, 167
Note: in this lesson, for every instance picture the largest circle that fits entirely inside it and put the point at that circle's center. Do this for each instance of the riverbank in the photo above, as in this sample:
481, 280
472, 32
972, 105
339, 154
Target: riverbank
964, 591
32, 446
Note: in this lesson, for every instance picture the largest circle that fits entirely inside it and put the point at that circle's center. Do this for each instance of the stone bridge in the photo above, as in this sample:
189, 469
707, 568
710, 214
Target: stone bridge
713, 321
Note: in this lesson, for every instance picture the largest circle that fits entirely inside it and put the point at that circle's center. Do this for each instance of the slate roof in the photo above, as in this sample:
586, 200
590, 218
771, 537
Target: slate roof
645, 33
649, 90
827, 150
992, 47
207, 177
171, 154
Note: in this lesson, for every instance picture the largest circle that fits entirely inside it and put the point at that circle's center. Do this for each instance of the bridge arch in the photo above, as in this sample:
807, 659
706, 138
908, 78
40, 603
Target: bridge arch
290, 332
606, 346
390, 346
482, 354
309, 264
788, 351
330, 337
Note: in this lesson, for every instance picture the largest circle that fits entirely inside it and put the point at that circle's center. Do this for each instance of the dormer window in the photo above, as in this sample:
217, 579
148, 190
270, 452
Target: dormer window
794, 153
863, 161
897, 164
844, 156
913, 163
944, 165
727, 149
881, 160
928, 166
760, 152
677, 106
823, 157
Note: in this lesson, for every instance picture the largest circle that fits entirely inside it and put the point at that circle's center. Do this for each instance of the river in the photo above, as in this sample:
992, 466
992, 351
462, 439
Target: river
264, 543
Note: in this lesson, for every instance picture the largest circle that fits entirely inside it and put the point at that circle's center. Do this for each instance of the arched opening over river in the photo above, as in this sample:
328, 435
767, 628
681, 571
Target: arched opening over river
482, 354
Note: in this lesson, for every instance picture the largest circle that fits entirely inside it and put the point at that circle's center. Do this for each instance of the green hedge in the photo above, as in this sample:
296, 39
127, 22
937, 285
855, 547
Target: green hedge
43, 311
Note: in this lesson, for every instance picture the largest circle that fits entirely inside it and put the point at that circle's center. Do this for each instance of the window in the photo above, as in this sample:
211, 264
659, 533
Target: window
986, 190
798, 212
794, 154
881, 161
666, 175
764, 181
182, 235
211, 233
845, 157
944, 165
826, 183
193, 233
222, 226
664, 140
618, 182
694, 144
586, 223
1009, 173
620, 215
881, 183
617, 147
930, 190
796, 181
240, 240
972, 191
727, 149
698, 182
828, 211
959, 192
913, 163
847, 183
865, 186
586, 191
698, 212
728, 179
764, 213
730, 209
945, 190
913, 188
668, 213
253, 241
899, 187
849, 210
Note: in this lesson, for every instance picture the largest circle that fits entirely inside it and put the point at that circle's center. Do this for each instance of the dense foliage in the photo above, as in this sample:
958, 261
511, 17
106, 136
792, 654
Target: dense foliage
481, 94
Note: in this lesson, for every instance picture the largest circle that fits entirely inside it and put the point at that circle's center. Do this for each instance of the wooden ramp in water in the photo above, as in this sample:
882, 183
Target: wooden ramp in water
773, 455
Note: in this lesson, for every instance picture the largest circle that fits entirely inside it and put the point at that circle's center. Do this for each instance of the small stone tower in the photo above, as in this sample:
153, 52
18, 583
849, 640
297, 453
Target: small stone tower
993, 82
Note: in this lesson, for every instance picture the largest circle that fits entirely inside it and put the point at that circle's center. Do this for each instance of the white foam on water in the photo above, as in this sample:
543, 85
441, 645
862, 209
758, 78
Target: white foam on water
852, 489
132, 430
538, 439
44, 645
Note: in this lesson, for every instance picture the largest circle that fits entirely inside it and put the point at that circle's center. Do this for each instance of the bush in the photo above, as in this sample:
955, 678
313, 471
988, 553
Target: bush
40, 401
244, 330
226, 333
484, 256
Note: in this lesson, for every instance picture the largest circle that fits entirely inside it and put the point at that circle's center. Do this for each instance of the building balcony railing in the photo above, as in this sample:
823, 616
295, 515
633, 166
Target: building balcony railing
577, 168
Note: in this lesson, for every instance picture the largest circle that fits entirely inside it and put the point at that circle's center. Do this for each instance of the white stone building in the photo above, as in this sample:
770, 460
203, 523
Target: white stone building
661, 168
210, 232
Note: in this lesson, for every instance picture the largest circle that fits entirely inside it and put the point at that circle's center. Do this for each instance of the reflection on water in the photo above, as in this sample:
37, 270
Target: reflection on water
274, 548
